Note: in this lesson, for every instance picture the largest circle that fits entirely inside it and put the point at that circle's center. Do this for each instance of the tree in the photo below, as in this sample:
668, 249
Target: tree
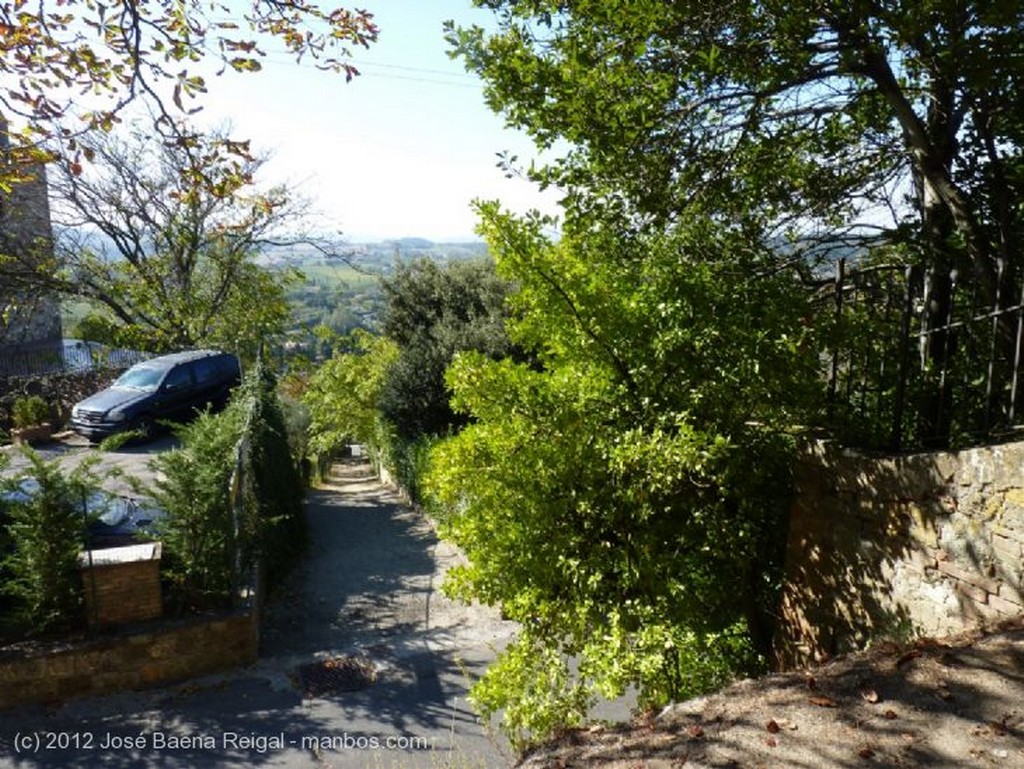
205, 542
431, 313
169, 255
343, 395
58, 55
801, 113
623, 494
837, 125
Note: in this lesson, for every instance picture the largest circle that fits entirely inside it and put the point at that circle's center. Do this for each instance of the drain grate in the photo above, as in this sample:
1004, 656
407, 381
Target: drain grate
346, 673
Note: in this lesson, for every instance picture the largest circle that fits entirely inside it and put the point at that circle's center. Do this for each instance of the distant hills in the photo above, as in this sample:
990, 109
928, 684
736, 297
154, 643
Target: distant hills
380, 257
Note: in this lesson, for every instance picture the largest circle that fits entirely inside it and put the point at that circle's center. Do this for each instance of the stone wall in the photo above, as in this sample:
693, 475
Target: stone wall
896, 547
26, 319
60, 391
162, 654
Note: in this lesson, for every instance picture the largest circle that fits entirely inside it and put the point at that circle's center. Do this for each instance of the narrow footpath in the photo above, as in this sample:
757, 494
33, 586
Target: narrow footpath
364, 663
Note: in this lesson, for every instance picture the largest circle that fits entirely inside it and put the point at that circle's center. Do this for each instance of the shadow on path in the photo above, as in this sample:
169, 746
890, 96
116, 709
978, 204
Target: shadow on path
367, 598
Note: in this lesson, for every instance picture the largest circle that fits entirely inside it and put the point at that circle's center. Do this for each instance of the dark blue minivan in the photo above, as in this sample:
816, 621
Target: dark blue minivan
169, 388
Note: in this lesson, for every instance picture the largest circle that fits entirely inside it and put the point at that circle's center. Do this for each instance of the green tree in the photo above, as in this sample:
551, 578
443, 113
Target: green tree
432, 312
802, 113
167, 252
272, 484
204, 540
343, 395
159, 51
623, 494
232, 493
831, 125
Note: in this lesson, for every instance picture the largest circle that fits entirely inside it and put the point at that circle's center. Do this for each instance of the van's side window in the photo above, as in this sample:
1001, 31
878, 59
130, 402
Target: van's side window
179, 378
206, 370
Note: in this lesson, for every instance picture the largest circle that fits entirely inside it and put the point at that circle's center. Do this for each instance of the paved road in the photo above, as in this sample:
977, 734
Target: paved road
130, 460
365, 664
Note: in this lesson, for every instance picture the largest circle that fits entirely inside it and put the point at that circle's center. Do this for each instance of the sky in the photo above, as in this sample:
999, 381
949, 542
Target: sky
401, 150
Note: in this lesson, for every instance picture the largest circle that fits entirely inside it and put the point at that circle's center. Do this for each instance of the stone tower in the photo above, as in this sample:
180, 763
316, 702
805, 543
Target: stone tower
29, 319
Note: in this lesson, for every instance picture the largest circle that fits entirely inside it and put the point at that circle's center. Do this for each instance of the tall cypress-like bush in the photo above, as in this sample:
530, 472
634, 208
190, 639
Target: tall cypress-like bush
45, 531
272, 485
233, 495
201, 539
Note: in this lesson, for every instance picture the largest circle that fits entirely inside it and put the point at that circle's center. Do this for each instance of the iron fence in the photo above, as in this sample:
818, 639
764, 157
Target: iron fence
915, 359
69, 356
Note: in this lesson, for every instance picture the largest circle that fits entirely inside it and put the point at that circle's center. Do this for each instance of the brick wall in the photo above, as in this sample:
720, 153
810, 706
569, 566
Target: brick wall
162, 654
122, 584
929, 544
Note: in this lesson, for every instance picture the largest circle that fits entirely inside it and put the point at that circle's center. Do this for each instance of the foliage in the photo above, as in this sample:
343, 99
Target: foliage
233, 496
809, 116
168, 252
624, 495
201, 536
272, 488
834, 127
431, 312
343, 396
29, 410
407, 459
72, 67
296, 425
47, 532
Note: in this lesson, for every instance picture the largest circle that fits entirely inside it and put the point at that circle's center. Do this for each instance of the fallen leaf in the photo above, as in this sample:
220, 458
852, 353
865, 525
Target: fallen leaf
908, 657
771, 742
696, 732
891, 714
772, 726
866, 753
811, 683
823, 702
998, 728
869, 695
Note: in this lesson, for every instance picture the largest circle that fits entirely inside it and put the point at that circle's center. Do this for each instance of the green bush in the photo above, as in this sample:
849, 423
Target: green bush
200, 534
233, 495
272, 487
406, 459
46, 532
30, 410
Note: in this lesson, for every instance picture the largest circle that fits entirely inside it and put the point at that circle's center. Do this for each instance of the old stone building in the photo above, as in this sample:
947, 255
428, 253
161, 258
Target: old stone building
29, 320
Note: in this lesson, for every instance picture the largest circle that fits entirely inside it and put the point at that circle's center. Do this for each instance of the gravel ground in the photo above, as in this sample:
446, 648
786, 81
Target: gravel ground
956, 703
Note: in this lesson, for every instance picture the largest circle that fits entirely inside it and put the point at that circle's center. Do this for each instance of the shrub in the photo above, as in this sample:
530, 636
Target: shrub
271, 481
199, 532
233, 496
46, 530
30, 410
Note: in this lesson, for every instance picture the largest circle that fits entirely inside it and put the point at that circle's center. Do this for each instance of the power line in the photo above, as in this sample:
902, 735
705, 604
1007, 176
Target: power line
468, 80
418, 70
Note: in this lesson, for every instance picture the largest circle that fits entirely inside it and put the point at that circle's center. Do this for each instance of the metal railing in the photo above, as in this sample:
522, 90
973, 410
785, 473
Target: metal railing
916, 360
68, 356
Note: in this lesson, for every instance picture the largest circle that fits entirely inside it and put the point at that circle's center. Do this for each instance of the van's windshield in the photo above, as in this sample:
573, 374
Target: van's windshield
145, 378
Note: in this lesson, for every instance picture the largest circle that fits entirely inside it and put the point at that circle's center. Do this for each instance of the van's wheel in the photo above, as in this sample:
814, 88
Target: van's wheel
145, 427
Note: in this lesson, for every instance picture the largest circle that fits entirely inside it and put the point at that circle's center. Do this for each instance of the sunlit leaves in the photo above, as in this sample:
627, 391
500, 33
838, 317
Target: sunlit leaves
176, 266
606, 493
343, 396
54, 53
